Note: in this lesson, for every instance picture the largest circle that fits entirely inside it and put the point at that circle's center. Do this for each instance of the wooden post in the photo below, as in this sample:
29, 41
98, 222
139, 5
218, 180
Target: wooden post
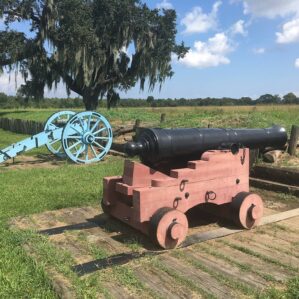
293, 140
137, 123
253, 157
163, 117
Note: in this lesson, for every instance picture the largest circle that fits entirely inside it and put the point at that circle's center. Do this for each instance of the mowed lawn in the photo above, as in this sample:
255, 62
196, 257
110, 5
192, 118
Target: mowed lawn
28, 191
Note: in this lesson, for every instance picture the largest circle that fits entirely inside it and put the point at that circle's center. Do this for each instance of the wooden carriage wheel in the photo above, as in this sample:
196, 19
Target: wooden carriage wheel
247, 209
168, 227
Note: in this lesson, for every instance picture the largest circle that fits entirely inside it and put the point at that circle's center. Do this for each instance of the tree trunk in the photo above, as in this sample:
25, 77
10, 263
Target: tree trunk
91, 101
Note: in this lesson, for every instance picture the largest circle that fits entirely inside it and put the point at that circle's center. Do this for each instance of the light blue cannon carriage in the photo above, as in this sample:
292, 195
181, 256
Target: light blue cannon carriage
85, 137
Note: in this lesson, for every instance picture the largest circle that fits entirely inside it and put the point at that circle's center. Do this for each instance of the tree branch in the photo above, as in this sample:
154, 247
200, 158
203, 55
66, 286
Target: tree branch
70, 82
34, 17
20, 57
12, 13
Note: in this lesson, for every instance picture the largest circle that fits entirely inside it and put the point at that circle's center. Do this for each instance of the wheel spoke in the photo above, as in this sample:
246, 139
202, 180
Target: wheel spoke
55, 141
74, 145
86, 153
72, 127
89, 121
73, 137
79, 151
93, 150
95, 125
58, 150
76, 149
99, 131
102, 138
99, 145
81, 123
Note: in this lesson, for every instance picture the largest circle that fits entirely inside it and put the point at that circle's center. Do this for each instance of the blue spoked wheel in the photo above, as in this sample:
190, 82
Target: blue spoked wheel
57, 120
87, 137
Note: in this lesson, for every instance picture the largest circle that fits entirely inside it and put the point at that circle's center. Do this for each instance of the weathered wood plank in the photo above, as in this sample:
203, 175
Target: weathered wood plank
279, 217
279, 257
247, 260
163, 284
227, 269
274, 242
274, 186
280, 175
202, 279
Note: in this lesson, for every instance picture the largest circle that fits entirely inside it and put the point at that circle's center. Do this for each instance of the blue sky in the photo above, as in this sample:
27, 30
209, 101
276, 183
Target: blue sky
238, 48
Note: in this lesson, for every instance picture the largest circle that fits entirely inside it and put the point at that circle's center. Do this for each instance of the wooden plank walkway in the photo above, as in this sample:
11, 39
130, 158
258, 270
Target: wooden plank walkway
222, 263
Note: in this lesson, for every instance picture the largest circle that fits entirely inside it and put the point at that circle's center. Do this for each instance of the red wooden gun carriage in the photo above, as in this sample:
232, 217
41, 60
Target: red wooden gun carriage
184, 168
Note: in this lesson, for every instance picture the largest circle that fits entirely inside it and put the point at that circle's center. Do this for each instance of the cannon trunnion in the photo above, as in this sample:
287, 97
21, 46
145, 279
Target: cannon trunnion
214, 170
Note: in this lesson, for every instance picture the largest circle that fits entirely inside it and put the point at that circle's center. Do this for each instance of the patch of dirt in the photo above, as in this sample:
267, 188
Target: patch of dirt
124, 138
40, 161
28, 162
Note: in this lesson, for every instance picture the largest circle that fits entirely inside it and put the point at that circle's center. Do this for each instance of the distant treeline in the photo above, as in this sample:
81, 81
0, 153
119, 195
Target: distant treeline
12, 102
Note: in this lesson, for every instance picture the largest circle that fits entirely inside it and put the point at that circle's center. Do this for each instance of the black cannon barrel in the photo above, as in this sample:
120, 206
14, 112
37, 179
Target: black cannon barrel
154, 145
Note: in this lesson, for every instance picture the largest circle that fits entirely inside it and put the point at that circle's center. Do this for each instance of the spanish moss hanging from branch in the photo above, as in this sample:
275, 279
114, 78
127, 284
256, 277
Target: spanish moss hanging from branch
97, 48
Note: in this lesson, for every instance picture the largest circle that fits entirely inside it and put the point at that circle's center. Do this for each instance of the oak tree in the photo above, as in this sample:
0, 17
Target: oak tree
96, 47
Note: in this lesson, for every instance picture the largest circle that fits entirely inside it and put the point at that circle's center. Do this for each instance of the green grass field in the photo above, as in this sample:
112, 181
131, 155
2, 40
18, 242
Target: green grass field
258, 116
28, 191
7, 138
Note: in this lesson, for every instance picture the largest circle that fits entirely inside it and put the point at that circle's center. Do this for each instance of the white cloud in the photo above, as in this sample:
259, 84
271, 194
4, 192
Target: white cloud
271, 8
197, 21
297, 63
209, 54
238, 28
276, 8
259, 51
165, 4
10, 83
290, 32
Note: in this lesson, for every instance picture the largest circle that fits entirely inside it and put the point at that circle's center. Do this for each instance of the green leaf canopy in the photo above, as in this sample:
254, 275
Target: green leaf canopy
85, 43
